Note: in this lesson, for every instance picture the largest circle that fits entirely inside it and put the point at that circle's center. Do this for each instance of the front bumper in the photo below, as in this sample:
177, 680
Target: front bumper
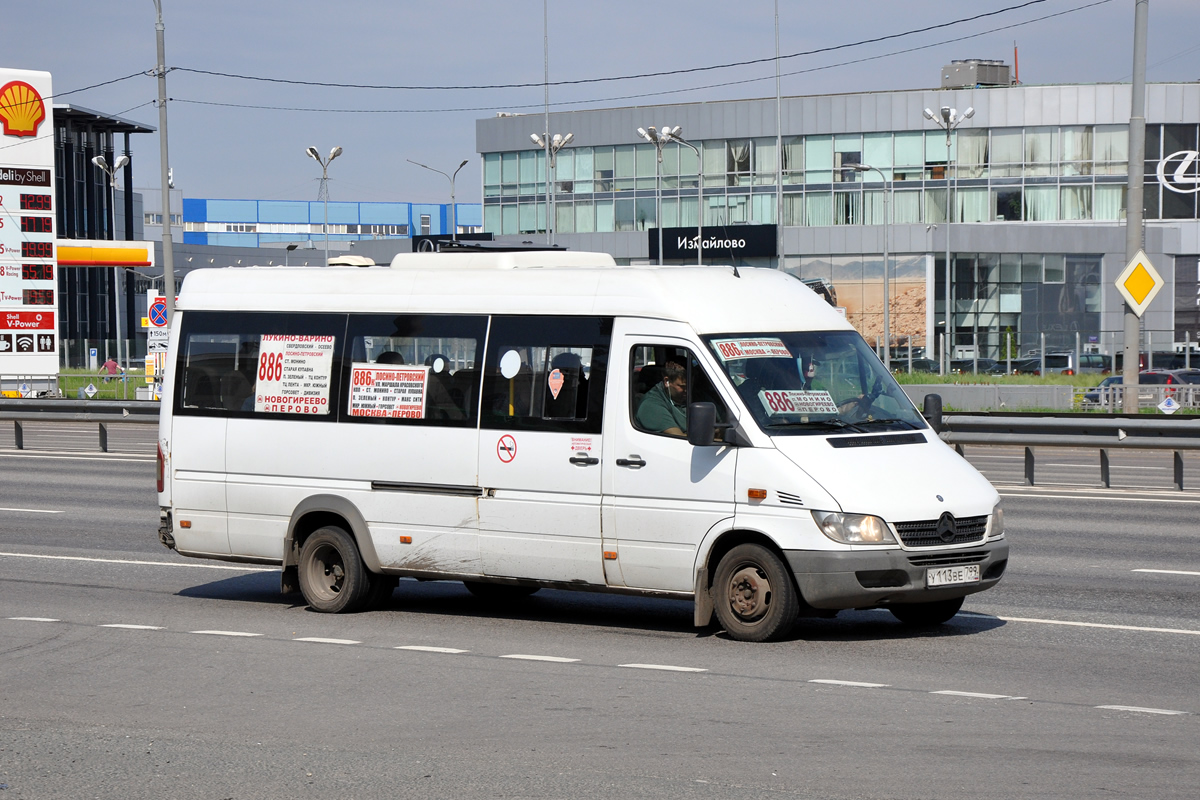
865, 579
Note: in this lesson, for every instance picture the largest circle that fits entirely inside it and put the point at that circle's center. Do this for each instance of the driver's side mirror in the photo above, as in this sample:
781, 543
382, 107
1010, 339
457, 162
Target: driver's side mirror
932, 411
702, 424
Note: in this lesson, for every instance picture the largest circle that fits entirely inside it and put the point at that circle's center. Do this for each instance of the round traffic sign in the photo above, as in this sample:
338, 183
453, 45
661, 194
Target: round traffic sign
158, 314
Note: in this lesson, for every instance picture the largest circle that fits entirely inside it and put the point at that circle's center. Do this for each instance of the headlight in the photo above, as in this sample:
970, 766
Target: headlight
853, 528
997, 529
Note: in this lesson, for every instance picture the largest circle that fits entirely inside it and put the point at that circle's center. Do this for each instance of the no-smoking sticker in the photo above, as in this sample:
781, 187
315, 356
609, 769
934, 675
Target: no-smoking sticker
506, 448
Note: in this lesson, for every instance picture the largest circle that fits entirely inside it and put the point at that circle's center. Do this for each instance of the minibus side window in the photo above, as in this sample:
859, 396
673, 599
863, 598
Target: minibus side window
413, 369
546, 373
663, 380
259, 364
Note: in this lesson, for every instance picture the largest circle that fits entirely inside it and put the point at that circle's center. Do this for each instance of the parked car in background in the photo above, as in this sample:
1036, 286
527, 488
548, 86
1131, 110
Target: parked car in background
1188, 375
900, 365
981, 366
1065, 364
1104, 394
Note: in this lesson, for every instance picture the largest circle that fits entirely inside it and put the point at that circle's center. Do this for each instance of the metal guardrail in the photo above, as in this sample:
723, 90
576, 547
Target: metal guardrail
101, 412
1117, 432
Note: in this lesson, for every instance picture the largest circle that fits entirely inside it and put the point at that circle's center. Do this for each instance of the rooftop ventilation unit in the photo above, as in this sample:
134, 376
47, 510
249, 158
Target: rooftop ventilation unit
975, 72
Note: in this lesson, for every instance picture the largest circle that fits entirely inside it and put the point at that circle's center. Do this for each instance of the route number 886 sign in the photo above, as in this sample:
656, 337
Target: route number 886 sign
293, 374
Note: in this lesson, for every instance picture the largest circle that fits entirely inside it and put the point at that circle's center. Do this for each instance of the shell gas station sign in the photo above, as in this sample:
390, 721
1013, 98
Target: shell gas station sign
28, 284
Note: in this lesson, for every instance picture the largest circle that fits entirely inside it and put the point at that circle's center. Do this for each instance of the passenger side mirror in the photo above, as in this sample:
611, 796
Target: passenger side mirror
933, 411
702, 424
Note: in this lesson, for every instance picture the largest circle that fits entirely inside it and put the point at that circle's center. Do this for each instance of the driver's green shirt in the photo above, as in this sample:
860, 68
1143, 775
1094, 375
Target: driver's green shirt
659, 412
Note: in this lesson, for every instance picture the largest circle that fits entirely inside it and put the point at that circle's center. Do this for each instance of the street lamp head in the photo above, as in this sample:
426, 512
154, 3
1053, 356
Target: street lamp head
463, 164
928, 113
856, 167
312, 153
970, 112
537, 140
100, 162
334, 153
947, 114
121, 161
567, 139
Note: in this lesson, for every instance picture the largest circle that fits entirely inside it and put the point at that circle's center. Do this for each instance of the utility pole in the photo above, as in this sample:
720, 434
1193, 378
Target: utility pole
1134, 222
164, 165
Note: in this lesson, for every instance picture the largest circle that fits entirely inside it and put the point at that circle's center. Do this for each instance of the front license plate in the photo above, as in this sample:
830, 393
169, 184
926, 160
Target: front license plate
946, 576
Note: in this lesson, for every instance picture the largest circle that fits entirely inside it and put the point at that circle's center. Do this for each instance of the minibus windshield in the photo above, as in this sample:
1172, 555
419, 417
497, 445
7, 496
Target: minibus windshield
797, 383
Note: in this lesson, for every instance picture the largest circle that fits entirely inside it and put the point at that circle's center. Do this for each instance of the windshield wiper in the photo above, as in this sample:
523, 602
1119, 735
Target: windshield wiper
889, 420
833, 422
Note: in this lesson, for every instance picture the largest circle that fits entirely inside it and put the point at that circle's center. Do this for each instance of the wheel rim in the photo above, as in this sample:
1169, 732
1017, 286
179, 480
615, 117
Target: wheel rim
327, 572
749, 593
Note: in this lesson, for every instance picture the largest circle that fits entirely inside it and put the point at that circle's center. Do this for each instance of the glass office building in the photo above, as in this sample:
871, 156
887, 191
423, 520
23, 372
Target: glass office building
1033, 186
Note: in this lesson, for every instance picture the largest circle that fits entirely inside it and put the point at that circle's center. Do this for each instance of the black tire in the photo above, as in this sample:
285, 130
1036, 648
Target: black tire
499, 592
380, 593
333, 579
926, 614
753, 595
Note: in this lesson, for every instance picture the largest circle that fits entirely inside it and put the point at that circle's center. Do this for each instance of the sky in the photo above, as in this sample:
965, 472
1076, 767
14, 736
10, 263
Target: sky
227, 151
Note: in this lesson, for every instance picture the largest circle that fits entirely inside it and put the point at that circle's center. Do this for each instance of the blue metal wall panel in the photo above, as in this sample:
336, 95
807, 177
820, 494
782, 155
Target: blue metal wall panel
470, 213
233, 239
383, 213
195, 210
293, 211
194, 237
339, 213
233, 210
436, 224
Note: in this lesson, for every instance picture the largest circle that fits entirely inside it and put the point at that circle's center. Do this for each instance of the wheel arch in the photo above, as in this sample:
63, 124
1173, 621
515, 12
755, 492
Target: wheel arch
316, 512
716, 545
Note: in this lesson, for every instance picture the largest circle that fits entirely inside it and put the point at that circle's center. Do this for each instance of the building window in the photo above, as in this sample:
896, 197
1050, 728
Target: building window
425, 224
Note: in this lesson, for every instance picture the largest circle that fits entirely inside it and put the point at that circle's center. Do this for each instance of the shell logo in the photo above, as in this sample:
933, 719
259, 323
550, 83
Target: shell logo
21, 109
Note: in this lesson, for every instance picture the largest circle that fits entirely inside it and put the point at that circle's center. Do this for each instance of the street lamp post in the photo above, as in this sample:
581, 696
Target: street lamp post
160, 71
675, 135
887, 294
111, 172
313, 154
551, 144
658, 139
948, 119
453, 207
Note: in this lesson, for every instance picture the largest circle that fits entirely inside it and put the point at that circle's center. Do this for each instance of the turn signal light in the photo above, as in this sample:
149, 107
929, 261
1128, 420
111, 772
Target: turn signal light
185, 523
757, 494
405, 540
610, 555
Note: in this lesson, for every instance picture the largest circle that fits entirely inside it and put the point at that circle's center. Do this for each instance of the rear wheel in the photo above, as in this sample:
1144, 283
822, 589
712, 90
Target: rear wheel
500, 592
926, 614
753, 594
332, 576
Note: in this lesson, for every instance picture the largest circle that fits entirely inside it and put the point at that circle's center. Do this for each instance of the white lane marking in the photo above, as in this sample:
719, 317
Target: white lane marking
980, 695
1168, 571
555, 659
849, 683
32, 511
226, 633
424, 649
35, 619
67, 456
1069, 623
1115, 498
1144, 710
323, 640
666, 667
140, 563
134, 627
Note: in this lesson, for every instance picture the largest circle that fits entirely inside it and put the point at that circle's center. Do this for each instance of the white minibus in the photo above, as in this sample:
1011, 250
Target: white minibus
529, 420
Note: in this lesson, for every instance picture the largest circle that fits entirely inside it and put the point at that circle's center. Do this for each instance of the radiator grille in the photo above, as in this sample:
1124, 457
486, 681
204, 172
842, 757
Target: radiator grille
925, 533
945, 559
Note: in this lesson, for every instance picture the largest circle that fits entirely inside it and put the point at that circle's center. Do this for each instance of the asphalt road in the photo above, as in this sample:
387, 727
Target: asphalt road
1076, 677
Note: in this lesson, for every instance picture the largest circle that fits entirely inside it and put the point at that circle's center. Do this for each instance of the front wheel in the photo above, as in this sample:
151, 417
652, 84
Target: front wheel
753, 594
333, 579
926, 614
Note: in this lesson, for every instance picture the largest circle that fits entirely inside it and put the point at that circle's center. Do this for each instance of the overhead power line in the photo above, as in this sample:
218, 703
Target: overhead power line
579, 81
510, 107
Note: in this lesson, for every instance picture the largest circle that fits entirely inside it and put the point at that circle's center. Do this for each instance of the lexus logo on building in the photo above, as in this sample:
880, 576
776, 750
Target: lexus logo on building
1177, 166
947, 528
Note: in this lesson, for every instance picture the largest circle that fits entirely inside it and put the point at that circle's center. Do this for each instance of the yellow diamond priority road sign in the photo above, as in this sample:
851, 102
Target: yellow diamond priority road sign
1139, 283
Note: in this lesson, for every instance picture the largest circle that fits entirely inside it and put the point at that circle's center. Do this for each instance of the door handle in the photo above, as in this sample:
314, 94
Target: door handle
633, 461
584, 461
